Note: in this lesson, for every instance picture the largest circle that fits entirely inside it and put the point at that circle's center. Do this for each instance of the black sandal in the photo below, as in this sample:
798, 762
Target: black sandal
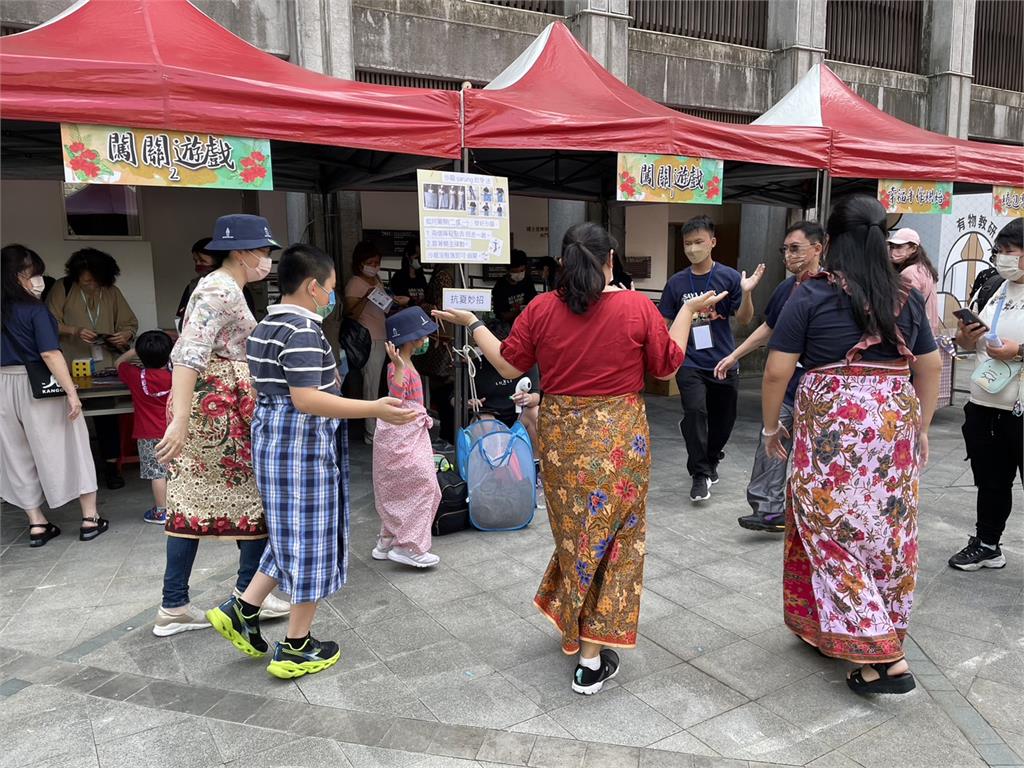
50, 531
903, 683
88, 534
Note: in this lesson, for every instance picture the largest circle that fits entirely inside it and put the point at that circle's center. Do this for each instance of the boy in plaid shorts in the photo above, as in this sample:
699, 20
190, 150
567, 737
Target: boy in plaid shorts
299, 466
150, 386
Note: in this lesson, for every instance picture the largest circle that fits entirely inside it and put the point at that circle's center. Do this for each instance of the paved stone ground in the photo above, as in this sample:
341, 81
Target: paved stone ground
454, 667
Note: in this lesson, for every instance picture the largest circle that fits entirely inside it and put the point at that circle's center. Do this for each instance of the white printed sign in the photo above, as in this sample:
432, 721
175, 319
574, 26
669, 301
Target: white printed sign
380, 297
469, 299
463, 218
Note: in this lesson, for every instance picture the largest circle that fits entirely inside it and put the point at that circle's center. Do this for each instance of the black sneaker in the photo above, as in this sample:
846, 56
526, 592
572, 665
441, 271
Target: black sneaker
590, 681
699, 491
976, 555
759, 521
242, 632
713, 477
314, 656
115, 479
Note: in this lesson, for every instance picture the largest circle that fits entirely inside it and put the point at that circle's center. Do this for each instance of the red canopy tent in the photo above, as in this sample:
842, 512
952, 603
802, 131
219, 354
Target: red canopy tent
556, 96
868, 143
165, 64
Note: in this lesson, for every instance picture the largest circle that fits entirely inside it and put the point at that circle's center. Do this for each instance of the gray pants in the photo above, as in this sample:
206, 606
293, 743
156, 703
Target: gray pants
766, 492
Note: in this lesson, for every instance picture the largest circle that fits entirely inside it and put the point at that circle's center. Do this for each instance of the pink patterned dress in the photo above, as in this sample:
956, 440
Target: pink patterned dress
404, 480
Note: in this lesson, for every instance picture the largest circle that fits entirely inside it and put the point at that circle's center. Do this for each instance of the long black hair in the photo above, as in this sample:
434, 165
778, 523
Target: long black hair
14, 259
582, 279
857, 251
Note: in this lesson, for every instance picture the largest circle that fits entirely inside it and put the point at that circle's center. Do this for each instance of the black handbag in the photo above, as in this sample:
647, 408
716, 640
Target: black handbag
356, 341
44, 384
453, 510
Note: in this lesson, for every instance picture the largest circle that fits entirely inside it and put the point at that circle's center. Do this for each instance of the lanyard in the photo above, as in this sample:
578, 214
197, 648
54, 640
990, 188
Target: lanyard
707, 285
99, 307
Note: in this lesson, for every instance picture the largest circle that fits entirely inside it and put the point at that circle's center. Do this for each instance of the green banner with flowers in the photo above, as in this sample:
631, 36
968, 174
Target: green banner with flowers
106, 154
669, 179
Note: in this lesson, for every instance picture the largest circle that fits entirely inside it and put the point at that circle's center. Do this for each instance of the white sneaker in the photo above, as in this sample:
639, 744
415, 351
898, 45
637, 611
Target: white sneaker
273, 607
381, 548
168, 623
405, 557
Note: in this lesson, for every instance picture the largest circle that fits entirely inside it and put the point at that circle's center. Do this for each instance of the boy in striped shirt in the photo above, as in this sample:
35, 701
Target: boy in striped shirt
299, 466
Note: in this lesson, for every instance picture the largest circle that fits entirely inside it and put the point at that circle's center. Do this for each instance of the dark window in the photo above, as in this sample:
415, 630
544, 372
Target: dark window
410, 81
999, 44
742, 22
554, 7
875, 33
739, 118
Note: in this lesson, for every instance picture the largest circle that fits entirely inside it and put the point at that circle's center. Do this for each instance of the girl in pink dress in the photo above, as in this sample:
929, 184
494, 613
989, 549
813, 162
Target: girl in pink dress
404, 480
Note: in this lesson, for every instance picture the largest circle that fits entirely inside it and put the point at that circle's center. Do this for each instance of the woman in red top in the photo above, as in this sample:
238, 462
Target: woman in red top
594, 440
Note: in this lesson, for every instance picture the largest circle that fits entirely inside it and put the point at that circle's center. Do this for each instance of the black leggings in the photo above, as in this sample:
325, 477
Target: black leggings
995, 446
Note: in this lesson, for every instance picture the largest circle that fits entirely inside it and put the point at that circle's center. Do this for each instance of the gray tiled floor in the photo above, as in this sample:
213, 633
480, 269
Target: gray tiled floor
453, 668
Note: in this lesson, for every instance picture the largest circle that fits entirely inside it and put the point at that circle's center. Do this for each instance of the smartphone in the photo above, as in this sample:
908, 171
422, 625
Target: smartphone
967, 317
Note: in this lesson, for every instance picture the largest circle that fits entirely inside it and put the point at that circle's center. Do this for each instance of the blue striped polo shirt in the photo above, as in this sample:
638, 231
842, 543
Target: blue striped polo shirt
288, 349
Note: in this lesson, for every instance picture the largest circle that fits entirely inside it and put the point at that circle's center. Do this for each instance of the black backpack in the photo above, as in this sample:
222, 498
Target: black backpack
453, 512
985, 286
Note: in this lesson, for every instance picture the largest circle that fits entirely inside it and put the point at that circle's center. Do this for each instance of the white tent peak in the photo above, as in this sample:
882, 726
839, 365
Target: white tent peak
523, 63
801, 106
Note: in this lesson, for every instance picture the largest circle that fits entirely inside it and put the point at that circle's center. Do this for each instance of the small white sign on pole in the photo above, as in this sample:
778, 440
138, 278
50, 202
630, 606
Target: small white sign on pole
469, 299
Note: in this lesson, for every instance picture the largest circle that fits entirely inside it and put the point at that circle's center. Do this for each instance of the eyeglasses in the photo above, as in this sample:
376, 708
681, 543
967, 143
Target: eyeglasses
793, 248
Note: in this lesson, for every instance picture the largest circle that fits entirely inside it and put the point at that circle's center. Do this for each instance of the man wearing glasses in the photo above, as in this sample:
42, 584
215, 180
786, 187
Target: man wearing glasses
766, 492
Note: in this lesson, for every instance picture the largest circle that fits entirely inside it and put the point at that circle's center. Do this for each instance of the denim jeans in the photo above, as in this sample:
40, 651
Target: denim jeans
181, 554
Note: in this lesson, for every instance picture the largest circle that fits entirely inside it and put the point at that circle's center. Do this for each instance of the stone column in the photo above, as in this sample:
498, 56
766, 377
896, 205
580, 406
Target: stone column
603, 28
796, 35
949, 61
323, 43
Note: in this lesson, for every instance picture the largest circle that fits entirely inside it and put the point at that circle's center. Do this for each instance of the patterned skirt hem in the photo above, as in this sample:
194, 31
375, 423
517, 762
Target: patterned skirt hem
885, 648
222, 537
572, 649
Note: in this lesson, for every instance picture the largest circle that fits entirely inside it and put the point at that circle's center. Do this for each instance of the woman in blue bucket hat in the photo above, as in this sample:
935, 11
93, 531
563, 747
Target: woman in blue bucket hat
211, 489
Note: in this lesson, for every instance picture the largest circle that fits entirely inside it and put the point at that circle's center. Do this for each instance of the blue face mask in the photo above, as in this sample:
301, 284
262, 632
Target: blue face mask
325, 310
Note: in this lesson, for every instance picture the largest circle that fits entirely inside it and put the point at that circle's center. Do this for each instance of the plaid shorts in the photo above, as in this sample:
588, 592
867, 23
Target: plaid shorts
149, 467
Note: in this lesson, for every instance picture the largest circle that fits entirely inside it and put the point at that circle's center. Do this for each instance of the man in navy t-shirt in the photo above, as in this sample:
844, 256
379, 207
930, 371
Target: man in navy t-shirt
709, 404
766, 492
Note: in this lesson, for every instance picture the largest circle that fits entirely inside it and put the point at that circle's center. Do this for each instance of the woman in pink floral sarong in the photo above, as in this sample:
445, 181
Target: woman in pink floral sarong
860, 439
404, 480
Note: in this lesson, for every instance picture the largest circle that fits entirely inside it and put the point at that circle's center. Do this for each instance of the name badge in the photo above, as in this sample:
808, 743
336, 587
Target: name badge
702, 337
380, 297
97, 352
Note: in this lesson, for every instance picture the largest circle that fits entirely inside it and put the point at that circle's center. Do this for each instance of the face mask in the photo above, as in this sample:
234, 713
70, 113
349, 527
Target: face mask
696, 253
515, 277
260, 271
325, 310
423, 350
204, 269
1008, 267
370, 271
415, 263
38, 285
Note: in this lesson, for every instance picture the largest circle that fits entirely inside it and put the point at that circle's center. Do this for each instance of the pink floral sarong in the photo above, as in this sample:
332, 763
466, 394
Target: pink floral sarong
851, 512
404, 479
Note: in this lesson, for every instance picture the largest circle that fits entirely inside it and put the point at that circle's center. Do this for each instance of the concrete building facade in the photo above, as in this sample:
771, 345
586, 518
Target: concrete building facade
729, 60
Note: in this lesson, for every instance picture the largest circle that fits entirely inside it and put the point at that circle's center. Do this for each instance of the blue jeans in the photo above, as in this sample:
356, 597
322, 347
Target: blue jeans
181, 554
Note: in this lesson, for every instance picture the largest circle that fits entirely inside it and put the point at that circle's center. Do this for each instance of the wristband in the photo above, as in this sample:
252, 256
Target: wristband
473, 326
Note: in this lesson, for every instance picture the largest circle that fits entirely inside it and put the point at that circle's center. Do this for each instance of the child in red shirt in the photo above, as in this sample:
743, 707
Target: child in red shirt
150, 386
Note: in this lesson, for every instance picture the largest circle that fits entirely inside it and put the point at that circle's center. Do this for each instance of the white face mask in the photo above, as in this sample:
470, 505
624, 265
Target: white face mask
415, 263
38, 285
370, 271
1008, 266
516, 277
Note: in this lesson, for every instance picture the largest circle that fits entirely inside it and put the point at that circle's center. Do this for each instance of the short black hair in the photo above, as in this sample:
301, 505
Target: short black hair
812, 229
518, 259
300, 262
199, 246
154, 349
699, 224
1012, 235
362, 253
101, 265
